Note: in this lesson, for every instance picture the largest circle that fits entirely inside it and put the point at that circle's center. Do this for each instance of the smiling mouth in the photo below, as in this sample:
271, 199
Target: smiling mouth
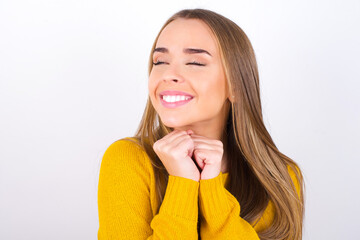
175, 98
174, 102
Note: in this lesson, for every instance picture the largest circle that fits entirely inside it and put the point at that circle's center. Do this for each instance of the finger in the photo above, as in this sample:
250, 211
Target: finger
206, 140
206, 145
199, 158
190, 132
173, 135
208, 156
167, 141
184, 141
201, 137
179, 135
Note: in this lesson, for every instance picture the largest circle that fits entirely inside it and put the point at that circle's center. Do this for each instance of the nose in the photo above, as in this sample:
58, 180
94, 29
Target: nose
172, 74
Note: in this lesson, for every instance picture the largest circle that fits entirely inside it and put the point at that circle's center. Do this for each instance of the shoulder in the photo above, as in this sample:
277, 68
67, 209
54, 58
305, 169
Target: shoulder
124, 155
295, 175
125, 182
128, 145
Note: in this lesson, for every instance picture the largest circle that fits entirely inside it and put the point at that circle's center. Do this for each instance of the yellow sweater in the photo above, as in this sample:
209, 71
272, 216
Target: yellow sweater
127, 203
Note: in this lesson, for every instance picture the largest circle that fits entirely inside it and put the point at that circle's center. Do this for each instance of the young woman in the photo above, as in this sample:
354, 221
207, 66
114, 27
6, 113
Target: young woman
202, 164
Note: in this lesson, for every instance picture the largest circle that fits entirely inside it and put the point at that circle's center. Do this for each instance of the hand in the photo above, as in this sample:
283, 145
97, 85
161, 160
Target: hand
175, 151
208, 154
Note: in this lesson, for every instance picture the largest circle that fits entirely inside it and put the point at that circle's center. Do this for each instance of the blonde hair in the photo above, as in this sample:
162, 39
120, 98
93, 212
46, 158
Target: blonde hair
258, 171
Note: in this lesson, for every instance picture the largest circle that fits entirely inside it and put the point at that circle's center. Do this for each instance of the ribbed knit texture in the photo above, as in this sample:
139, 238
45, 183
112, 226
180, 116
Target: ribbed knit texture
128, 207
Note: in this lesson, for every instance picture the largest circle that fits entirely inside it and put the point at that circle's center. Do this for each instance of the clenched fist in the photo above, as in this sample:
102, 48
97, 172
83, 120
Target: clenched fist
178, 149
208, 154
175, 151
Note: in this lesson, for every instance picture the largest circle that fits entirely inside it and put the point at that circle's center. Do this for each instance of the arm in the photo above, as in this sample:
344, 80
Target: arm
124, 201
221, 213
223, 219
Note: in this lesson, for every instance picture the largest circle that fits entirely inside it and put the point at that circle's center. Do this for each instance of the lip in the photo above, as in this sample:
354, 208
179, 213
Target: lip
174, 93
174, 104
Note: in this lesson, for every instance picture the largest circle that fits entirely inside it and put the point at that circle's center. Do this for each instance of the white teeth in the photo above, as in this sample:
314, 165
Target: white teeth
169, 98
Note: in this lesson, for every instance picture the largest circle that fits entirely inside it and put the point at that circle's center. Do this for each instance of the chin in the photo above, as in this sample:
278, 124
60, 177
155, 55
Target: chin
173, 123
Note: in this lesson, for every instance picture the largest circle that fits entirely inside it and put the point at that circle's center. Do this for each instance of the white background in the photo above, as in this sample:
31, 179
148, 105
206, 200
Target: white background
73, 79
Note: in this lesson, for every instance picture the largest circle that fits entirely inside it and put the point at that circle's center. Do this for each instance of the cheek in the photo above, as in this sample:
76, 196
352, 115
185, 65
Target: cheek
152, 85
212, 97
212, 86
212, 93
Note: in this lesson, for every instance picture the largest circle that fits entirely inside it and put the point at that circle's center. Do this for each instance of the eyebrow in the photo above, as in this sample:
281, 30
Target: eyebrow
186, 50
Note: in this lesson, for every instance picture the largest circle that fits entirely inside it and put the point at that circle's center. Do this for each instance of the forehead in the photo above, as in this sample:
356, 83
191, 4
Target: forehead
182, 33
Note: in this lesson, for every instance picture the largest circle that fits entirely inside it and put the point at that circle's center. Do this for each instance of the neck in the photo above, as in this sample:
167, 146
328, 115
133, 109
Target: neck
213, 129
225, 161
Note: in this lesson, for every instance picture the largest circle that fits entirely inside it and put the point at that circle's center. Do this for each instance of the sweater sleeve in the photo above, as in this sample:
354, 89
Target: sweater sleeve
124, 204
221, 213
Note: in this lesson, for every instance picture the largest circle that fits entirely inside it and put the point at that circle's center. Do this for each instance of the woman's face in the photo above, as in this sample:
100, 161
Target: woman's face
177, 72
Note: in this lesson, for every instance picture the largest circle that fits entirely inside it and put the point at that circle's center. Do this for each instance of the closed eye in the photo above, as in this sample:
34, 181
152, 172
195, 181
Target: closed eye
191, 63
196, 63
157, 63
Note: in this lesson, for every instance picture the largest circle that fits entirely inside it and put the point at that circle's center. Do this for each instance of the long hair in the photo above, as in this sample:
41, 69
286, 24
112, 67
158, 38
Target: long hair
258, 171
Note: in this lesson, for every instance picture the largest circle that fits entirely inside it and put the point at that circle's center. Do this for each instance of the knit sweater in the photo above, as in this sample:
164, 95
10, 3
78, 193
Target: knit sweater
129, 209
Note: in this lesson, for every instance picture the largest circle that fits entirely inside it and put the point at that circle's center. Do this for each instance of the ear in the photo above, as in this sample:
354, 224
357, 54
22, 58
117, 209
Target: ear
230, 95
231, 98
